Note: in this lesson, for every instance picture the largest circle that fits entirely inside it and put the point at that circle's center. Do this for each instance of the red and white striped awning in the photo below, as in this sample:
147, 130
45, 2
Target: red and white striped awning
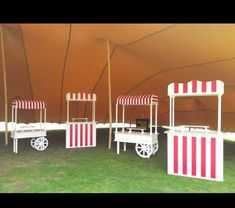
28, 104
196, 88
137, 99
80, 96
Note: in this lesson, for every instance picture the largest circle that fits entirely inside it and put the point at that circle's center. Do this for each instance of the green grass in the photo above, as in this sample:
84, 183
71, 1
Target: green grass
98, 169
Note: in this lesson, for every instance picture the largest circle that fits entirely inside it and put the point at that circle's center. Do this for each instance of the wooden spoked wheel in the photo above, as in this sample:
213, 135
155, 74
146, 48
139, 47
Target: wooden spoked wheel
32, 142
41, 143
144, 150
155, 148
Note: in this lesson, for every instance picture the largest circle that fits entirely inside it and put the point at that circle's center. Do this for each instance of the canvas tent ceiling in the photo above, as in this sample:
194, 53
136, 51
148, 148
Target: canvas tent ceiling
45, 61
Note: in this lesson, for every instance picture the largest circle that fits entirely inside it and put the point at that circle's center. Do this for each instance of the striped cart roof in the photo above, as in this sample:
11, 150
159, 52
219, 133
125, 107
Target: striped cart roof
196, 88
80, 96
137, 99
28, 104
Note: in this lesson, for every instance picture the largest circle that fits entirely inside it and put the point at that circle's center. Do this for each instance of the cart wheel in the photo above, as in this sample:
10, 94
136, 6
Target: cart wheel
144, 150
32, 142
41, 143
155, 148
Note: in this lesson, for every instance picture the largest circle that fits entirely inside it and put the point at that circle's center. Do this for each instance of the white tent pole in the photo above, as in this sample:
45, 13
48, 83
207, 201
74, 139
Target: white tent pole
173, 111
40, 118
110, 97
156, 108
151, 117
170, 111
5, 84
219, 113
93, 111
67, 111
116, 117
123, 117
15, 118
45, 118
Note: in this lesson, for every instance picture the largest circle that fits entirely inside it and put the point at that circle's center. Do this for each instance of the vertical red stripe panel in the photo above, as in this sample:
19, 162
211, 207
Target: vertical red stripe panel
194, 87
71, 135
70, 95
203, 156
175, 154
185, 87
86, 134
194, 154
203, 86
213, 158
213, 86
81, 134
184, 154
76, 135
91, 134
81, 96
176, 87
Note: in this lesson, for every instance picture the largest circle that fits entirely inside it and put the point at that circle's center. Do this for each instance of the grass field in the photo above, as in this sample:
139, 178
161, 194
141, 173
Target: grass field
99, 170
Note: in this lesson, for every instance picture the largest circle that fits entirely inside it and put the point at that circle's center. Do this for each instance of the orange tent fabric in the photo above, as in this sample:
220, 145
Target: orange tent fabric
45, 61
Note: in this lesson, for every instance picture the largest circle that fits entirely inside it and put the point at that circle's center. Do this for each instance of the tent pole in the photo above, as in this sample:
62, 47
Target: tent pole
5, 84
110, 97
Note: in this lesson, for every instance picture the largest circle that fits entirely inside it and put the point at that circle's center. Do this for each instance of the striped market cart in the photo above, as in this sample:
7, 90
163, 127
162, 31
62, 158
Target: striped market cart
192, 150
80, 132
146, 142
38, 134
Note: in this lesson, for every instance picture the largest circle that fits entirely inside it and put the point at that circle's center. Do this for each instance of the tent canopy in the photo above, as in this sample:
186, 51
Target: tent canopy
46, 61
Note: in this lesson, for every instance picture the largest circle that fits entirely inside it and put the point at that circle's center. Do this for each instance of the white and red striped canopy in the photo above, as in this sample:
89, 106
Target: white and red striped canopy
196, 88
137, 99
80, 96
28, 104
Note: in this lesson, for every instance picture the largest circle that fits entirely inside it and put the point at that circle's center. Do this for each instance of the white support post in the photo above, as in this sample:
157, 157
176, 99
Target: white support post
151, 118
118, 148
15, 118
123, 117
16, 146
124, 147
67, 111
40, 118
93, 111
45, 118
170, 112
116, 118
173, 111
12, 118
219, 113
156, 108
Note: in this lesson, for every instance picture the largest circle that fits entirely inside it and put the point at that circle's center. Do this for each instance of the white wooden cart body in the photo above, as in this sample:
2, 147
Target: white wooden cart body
37, 134
194, 151
80, 132
146, 142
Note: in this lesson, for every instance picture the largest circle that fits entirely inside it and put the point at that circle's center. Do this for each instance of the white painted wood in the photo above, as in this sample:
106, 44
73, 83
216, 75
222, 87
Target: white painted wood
151, 119
118, 148
123, 117
116, 118
219, 113
156, 110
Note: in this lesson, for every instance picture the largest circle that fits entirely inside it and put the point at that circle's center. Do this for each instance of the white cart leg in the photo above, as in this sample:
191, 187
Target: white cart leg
124, 147
16, 146
118, 148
